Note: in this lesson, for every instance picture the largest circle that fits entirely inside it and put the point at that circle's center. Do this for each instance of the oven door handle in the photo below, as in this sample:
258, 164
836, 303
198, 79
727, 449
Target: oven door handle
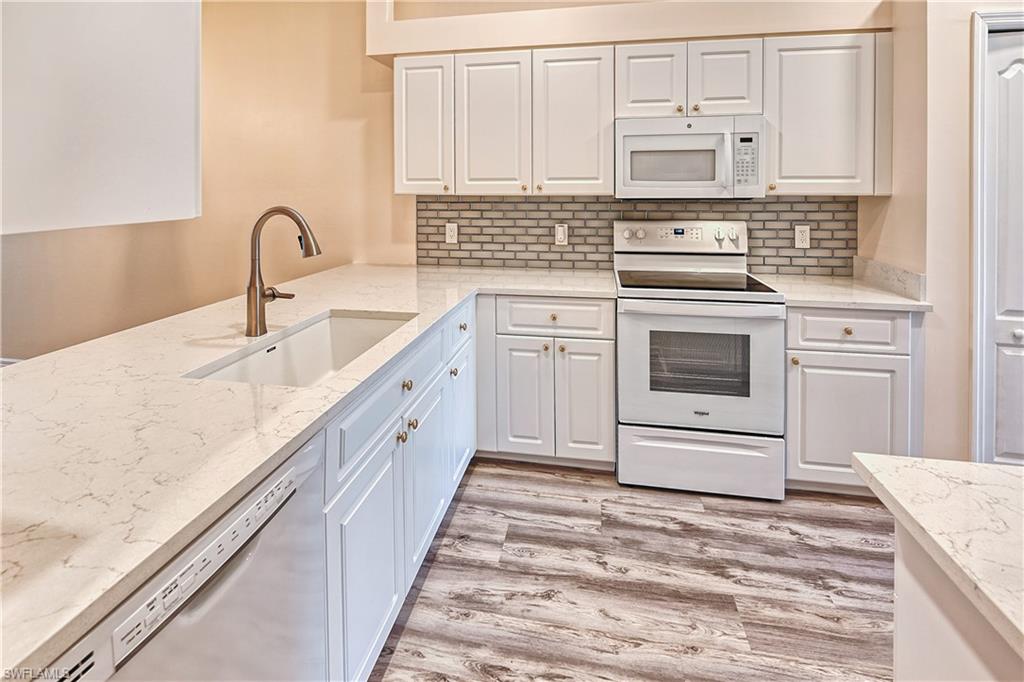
764, 311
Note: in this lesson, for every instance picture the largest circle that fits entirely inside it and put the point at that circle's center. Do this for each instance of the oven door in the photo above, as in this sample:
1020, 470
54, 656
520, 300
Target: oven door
702, 365
674, 158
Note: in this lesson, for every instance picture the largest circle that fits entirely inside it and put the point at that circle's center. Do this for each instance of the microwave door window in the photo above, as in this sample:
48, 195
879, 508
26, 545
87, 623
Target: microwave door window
704, 363
674, 165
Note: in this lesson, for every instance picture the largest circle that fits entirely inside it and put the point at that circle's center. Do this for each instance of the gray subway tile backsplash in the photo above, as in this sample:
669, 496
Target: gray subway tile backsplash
502, 231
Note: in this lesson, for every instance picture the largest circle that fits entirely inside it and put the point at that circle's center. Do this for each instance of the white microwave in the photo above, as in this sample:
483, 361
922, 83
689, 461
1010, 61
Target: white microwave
685, 158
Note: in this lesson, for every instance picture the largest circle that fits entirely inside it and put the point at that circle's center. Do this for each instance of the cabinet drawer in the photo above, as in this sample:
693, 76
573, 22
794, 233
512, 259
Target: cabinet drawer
544, 316
459, 327
861, 331
349, 435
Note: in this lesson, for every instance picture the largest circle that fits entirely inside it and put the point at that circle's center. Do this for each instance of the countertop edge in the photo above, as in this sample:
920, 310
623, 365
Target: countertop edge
1010, 631
909, 306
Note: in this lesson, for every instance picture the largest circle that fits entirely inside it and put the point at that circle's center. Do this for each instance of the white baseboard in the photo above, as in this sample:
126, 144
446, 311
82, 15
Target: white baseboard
544, 459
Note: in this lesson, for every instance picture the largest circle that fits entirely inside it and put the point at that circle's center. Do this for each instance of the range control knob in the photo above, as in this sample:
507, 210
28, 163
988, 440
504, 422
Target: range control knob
719, 234
732, 234
641, 233
627, 234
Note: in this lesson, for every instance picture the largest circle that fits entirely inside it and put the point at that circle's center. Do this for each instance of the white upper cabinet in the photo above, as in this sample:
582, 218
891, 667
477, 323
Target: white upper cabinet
573, 121
424, 124
725, 77
819, 99
650, 80
493, 110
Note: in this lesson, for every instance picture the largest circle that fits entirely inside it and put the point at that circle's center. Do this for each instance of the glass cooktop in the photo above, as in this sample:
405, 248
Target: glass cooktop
718, 281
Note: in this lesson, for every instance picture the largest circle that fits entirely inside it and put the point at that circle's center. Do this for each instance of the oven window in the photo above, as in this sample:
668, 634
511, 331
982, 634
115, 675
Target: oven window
690, 362
672, 165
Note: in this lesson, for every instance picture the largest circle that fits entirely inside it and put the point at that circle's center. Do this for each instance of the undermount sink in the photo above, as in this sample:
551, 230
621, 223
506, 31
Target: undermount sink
304, 355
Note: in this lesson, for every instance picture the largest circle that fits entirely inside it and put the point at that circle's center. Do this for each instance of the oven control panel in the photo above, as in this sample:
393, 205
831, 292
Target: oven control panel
681, 236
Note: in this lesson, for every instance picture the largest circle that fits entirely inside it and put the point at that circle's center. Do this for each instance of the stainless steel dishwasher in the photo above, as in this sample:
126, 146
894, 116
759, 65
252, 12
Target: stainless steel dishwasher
247, 601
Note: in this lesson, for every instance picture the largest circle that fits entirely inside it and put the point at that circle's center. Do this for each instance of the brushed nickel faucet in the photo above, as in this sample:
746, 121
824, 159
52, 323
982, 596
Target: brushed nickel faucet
256, 294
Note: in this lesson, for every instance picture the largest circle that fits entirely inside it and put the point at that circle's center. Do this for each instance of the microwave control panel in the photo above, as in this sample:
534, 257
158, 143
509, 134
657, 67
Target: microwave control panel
746, 161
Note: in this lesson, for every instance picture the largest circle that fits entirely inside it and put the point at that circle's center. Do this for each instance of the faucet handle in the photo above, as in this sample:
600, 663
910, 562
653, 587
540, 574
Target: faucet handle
273, 294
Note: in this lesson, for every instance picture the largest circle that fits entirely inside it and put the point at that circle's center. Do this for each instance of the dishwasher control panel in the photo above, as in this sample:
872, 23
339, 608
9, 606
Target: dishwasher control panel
165, 601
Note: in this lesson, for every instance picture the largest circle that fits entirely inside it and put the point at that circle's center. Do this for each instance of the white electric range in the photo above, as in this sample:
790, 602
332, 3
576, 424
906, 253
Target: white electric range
701, 351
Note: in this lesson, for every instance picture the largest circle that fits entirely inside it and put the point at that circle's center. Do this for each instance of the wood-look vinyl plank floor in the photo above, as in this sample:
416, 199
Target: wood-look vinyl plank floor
544, 573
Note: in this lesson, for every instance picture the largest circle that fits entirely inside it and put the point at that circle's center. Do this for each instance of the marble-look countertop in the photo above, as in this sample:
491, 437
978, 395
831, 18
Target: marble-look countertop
839, 292
969, 518
113, 463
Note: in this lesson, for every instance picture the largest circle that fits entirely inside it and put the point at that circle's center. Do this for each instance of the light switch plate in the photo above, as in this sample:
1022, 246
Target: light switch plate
561, 234
802, 236
451, 233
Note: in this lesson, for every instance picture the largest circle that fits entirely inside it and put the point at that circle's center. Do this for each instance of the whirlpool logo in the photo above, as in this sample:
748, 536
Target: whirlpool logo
701, 413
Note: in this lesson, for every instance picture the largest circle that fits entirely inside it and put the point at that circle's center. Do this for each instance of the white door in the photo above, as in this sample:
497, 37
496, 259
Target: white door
574, 120
526, 395
585, 399
725, 77
462, 376
427, 456
841, 403
1002, 271
819, 99
424, 125
493, 115
365, 560
650, 80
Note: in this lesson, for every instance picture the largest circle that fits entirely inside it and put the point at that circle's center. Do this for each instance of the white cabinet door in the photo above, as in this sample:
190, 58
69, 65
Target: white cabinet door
493, 134
427, 456
585, 399
526, 395
365, 561
424, 124
725, 77
819, 99
462, 375
840, 403
650, 80
573, 120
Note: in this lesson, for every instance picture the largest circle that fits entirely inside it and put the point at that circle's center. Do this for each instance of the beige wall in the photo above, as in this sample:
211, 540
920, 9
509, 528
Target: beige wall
424, 9
294, 113
892, 229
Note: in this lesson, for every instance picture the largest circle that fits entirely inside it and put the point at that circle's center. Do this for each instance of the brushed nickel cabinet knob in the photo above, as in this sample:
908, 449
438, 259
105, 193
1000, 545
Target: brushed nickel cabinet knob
414, 424
561, 349
680, 108
848, 331
540, 188
524, 188
445, 188
407, 385
454, 371
546, 347
554, 317
402, 436
463, 327
795, 361
696, 107
771, 186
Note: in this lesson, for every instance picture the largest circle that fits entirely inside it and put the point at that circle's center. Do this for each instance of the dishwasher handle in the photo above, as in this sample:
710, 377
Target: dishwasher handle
764, 311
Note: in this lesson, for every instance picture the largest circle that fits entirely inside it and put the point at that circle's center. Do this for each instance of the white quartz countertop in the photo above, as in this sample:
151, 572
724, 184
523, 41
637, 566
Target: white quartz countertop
839, 292
113, 463
969, 518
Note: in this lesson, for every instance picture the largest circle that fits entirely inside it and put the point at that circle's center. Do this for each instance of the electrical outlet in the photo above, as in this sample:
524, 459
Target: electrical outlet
802, 235
561, 234
451, 233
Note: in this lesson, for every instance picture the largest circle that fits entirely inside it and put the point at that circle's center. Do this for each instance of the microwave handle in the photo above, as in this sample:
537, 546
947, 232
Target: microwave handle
769, 311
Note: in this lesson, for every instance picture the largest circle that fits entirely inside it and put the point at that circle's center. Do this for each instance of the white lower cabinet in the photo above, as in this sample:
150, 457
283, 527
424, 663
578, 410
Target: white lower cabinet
841, 403
427, 454
556, 397
526, 395
462, 377
366, 582
585, 399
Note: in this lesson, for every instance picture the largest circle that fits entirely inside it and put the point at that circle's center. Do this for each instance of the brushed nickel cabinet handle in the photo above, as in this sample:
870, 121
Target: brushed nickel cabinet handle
407, 385
414, 424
